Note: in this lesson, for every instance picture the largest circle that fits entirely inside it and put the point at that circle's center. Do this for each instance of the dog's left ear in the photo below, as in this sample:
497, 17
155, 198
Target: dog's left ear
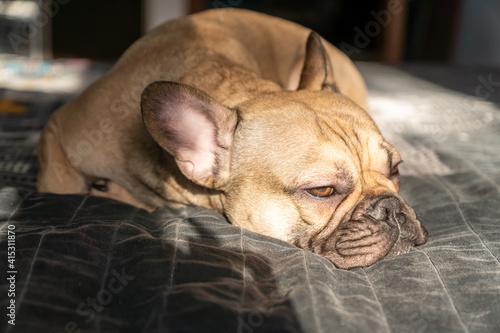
193, 127
317, 73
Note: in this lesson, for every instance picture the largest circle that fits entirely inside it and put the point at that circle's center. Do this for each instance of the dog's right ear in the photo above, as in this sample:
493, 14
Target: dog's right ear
193, 127
317, 72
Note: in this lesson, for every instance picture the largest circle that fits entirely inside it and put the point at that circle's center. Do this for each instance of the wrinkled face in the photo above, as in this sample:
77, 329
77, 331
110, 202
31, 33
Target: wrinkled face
319, 175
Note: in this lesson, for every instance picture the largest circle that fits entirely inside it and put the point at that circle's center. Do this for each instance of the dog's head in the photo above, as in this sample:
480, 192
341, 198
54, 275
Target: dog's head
309, 167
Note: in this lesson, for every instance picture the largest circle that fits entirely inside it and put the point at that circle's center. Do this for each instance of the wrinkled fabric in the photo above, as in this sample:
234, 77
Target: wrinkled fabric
102, 266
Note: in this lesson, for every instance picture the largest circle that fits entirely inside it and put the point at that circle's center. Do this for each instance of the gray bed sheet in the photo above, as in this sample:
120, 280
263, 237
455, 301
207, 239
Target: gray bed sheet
87, 264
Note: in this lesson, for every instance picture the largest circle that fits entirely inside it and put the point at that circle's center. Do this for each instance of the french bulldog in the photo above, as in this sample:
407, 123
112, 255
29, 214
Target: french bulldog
252, 116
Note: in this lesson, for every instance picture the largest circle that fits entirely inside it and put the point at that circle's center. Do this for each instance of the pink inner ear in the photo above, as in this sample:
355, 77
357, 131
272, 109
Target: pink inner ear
194, 142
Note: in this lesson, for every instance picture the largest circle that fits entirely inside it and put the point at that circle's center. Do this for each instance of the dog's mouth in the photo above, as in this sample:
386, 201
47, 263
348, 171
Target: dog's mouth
387, 228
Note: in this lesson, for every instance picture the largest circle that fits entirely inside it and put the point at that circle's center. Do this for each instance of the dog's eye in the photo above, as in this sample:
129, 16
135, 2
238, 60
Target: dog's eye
395, 169
101, 185
321, 192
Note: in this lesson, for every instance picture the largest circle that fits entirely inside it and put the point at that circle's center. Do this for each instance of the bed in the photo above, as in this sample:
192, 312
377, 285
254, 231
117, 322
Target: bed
74, 263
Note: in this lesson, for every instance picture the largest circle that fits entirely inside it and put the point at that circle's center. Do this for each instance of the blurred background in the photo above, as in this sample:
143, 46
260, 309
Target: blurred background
464, 32
58, 39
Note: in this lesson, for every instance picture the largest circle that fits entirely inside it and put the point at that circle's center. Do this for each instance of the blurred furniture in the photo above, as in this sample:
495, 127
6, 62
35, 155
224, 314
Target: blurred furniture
26, 28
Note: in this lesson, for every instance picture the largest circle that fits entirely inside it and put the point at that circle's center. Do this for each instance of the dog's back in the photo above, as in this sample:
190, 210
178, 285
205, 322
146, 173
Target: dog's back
270, 48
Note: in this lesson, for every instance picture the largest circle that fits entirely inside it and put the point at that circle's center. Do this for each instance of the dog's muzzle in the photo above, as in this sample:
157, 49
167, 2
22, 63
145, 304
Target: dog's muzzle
375, 229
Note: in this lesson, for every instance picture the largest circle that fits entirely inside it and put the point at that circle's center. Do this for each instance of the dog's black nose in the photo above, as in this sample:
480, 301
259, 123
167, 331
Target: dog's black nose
385, 208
